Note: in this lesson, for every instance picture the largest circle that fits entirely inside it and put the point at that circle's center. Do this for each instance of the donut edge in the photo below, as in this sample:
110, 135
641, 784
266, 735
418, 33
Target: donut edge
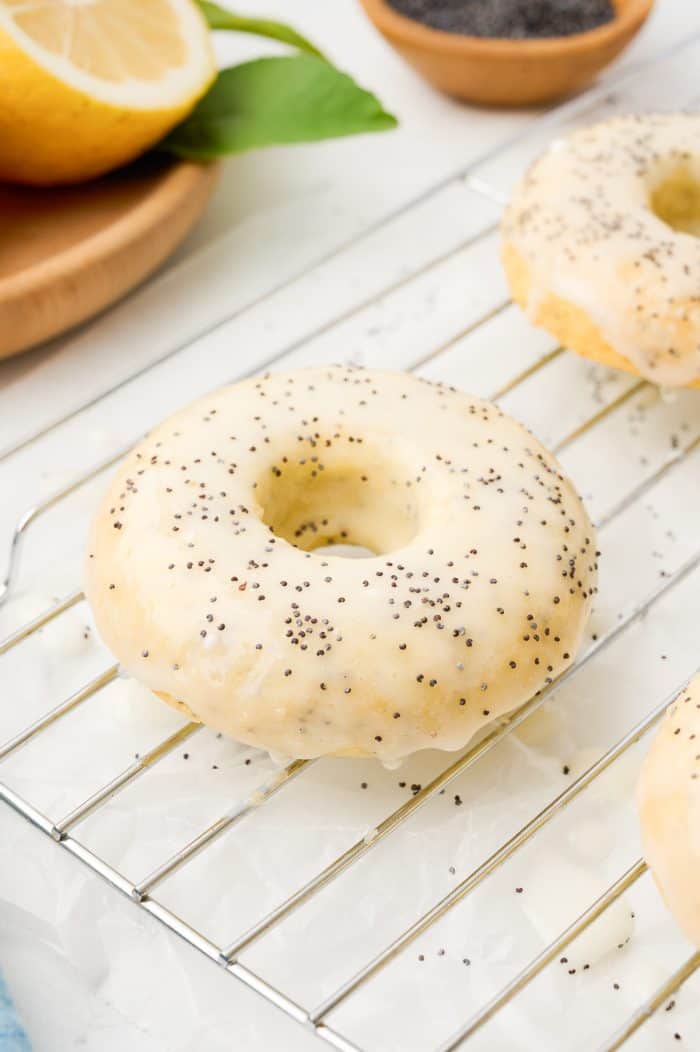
570, 325
184, 710
663, 811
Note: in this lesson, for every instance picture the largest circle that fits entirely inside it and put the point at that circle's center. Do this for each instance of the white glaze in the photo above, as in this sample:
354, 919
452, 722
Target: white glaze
582, 220
478, 600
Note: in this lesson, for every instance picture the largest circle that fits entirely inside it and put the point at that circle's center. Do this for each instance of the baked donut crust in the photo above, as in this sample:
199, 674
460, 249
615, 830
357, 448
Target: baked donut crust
569, 324
204, 579
668, 798
591, 261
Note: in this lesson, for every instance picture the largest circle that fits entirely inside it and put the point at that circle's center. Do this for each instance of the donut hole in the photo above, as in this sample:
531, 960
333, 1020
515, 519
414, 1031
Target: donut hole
345, 551
366, 507
676, 200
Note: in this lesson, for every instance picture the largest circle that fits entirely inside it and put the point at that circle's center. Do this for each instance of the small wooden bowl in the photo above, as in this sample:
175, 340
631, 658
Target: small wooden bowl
499, 72
67, 252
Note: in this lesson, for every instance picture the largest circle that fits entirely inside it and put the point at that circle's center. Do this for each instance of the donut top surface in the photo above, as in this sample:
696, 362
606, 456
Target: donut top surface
208, 579
608, 219
669, 802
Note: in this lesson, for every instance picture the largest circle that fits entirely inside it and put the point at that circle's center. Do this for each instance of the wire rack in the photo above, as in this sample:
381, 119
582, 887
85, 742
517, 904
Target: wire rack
672, 81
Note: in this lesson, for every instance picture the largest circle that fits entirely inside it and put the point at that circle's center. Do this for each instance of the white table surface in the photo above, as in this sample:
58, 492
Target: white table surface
86, 970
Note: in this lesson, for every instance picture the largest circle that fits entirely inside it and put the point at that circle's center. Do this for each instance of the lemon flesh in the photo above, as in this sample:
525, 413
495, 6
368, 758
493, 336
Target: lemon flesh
87, 85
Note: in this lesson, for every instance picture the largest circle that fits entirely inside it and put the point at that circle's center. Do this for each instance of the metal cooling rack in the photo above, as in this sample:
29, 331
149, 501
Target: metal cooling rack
634, 89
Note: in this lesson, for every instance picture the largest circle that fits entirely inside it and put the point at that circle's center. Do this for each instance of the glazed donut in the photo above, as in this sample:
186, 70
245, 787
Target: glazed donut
668, 797
204, 578
601, 248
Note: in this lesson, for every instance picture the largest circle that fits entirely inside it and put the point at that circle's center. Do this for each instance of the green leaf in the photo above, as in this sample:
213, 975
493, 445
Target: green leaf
295, 98
219, 18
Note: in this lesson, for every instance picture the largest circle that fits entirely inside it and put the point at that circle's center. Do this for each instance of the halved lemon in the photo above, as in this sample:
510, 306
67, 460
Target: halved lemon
87, 85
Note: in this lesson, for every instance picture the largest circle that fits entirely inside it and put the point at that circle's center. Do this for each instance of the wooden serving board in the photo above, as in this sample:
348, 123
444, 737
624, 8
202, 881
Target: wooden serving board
68, 252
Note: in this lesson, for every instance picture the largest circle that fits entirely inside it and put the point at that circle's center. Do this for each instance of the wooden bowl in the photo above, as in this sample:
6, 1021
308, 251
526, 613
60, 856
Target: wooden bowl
68, 252
500, 72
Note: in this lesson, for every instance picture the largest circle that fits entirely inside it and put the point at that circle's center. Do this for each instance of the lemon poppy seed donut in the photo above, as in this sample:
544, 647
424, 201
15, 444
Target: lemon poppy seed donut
668, 798
205, 579
601, 245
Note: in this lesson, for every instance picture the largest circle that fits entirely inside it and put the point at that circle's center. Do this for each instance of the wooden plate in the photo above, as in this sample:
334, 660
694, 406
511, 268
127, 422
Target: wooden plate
68, 252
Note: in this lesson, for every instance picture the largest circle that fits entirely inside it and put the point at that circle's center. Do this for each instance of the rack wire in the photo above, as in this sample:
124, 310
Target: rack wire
227, 955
